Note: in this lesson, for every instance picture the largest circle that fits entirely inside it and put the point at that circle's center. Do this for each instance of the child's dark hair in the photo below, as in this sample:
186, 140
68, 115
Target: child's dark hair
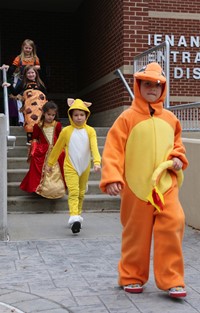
47, 106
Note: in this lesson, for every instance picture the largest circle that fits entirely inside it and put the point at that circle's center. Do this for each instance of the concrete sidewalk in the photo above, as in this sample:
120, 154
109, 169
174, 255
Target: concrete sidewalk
55, 226
46, 269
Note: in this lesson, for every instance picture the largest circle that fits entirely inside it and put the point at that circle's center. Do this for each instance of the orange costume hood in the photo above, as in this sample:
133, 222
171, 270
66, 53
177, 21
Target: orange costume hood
152, 72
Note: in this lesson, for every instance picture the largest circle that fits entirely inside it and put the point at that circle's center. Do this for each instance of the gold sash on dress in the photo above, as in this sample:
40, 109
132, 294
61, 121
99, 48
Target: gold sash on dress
51, 184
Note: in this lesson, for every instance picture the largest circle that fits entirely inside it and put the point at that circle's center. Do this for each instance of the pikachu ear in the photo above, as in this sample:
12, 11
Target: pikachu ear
70, 101
87, 104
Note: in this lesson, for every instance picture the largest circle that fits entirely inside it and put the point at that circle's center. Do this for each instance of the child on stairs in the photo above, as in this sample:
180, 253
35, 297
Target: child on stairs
45, 135
80, 143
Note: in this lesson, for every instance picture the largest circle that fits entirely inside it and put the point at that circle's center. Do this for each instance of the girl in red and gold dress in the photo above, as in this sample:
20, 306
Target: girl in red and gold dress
45, 135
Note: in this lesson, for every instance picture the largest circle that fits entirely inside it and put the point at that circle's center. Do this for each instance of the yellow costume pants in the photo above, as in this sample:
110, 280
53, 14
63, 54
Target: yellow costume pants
140, 221
76, 186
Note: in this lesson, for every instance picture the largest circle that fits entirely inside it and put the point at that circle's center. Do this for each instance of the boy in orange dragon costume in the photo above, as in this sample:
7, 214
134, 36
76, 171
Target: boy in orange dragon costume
142, 161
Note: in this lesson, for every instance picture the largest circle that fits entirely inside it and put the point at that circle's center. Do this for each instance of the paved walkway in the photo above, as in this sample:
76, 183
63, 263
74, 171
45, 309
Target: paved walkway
46, 269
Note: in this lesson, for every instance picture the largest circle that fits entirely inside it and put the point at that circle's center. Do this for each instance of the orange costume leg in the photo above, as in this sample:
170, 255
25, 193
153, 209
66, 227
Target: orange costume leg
138, 221
168, 236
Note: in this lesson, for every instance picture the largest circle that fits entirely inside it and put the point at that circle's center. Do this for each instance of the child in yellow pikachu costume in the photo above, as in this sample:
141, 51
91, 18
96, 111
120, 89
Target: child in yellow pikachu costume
142, 161
80, 143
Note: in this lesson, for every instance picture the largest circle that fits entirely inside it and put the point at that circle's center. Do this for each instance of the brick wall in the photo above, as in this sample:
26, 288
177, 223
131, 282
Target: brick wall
55, 37
113, 32
79, 50
101, 40
137, 24
174, 6
183, 56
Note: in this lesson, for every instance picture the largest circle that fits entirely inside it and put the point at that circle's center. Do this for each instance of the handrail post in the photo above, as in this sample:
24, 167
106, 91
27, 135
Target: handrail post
6, 110
119, 73
5, 95
3, 179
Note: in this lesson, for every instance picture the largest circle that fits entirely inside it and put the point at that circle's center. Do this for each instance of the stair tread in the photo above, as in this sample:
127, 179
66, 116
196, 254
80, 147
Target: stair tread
16, 158
24, 202
37, 197
17, 183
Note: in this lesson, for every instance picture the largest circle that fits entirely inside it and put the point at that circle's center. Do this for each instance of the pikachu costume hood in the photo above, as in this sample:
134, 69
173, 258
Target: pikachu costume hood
78, 104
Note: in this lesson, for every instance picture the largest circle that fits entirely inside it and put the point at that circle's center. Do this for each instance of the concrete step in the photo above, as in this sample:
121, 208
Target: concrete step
19, 201
17, 174
17, 163
19, 131
21, 142
18, 151
36, 204
22, 151
14, 190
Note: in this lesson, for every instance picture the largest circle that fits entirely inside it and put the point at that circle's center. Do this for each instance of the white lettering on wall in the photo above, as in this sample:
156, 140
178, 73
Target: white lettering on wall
194, 41
186, 57
188, 73
157, 40
170, 39
178, 72
197, 58
180, 57
174, 55
182, 42
196, 72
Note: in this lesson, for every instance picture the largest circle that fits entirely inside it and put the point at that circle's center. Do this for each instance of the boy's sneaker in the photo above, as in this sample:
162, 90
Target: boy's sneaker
133, 288
76, 226
177, 292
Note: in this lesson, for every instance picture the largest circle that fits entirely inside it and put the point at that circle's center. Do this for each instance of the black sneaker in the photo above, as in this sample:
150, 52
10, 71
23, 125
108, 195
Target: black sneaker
76, 227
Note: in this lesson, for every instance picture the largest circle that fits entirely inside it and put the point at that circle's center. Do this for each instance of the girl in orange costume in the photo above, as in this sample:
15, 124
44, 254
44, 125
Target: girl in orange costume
27, 56
140, 140
34, 97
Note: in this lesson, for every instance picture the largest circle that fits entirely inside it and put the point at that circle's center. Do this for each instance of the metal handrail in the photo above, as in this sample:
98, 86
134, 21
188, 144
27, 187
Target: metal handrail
188, 114
6, 111
159, 54
119, 73
184, 106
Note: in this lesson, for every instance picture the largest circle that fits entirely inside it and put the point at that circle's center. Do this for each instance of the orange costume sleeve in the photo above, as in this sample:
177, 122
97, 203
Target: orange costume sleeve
113, 158
17, 60
179, 149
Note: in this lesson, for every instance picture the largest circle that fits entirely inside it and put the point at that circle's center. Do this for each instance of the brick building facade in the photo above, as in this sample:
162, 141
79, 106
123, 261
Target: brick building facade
80, 50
